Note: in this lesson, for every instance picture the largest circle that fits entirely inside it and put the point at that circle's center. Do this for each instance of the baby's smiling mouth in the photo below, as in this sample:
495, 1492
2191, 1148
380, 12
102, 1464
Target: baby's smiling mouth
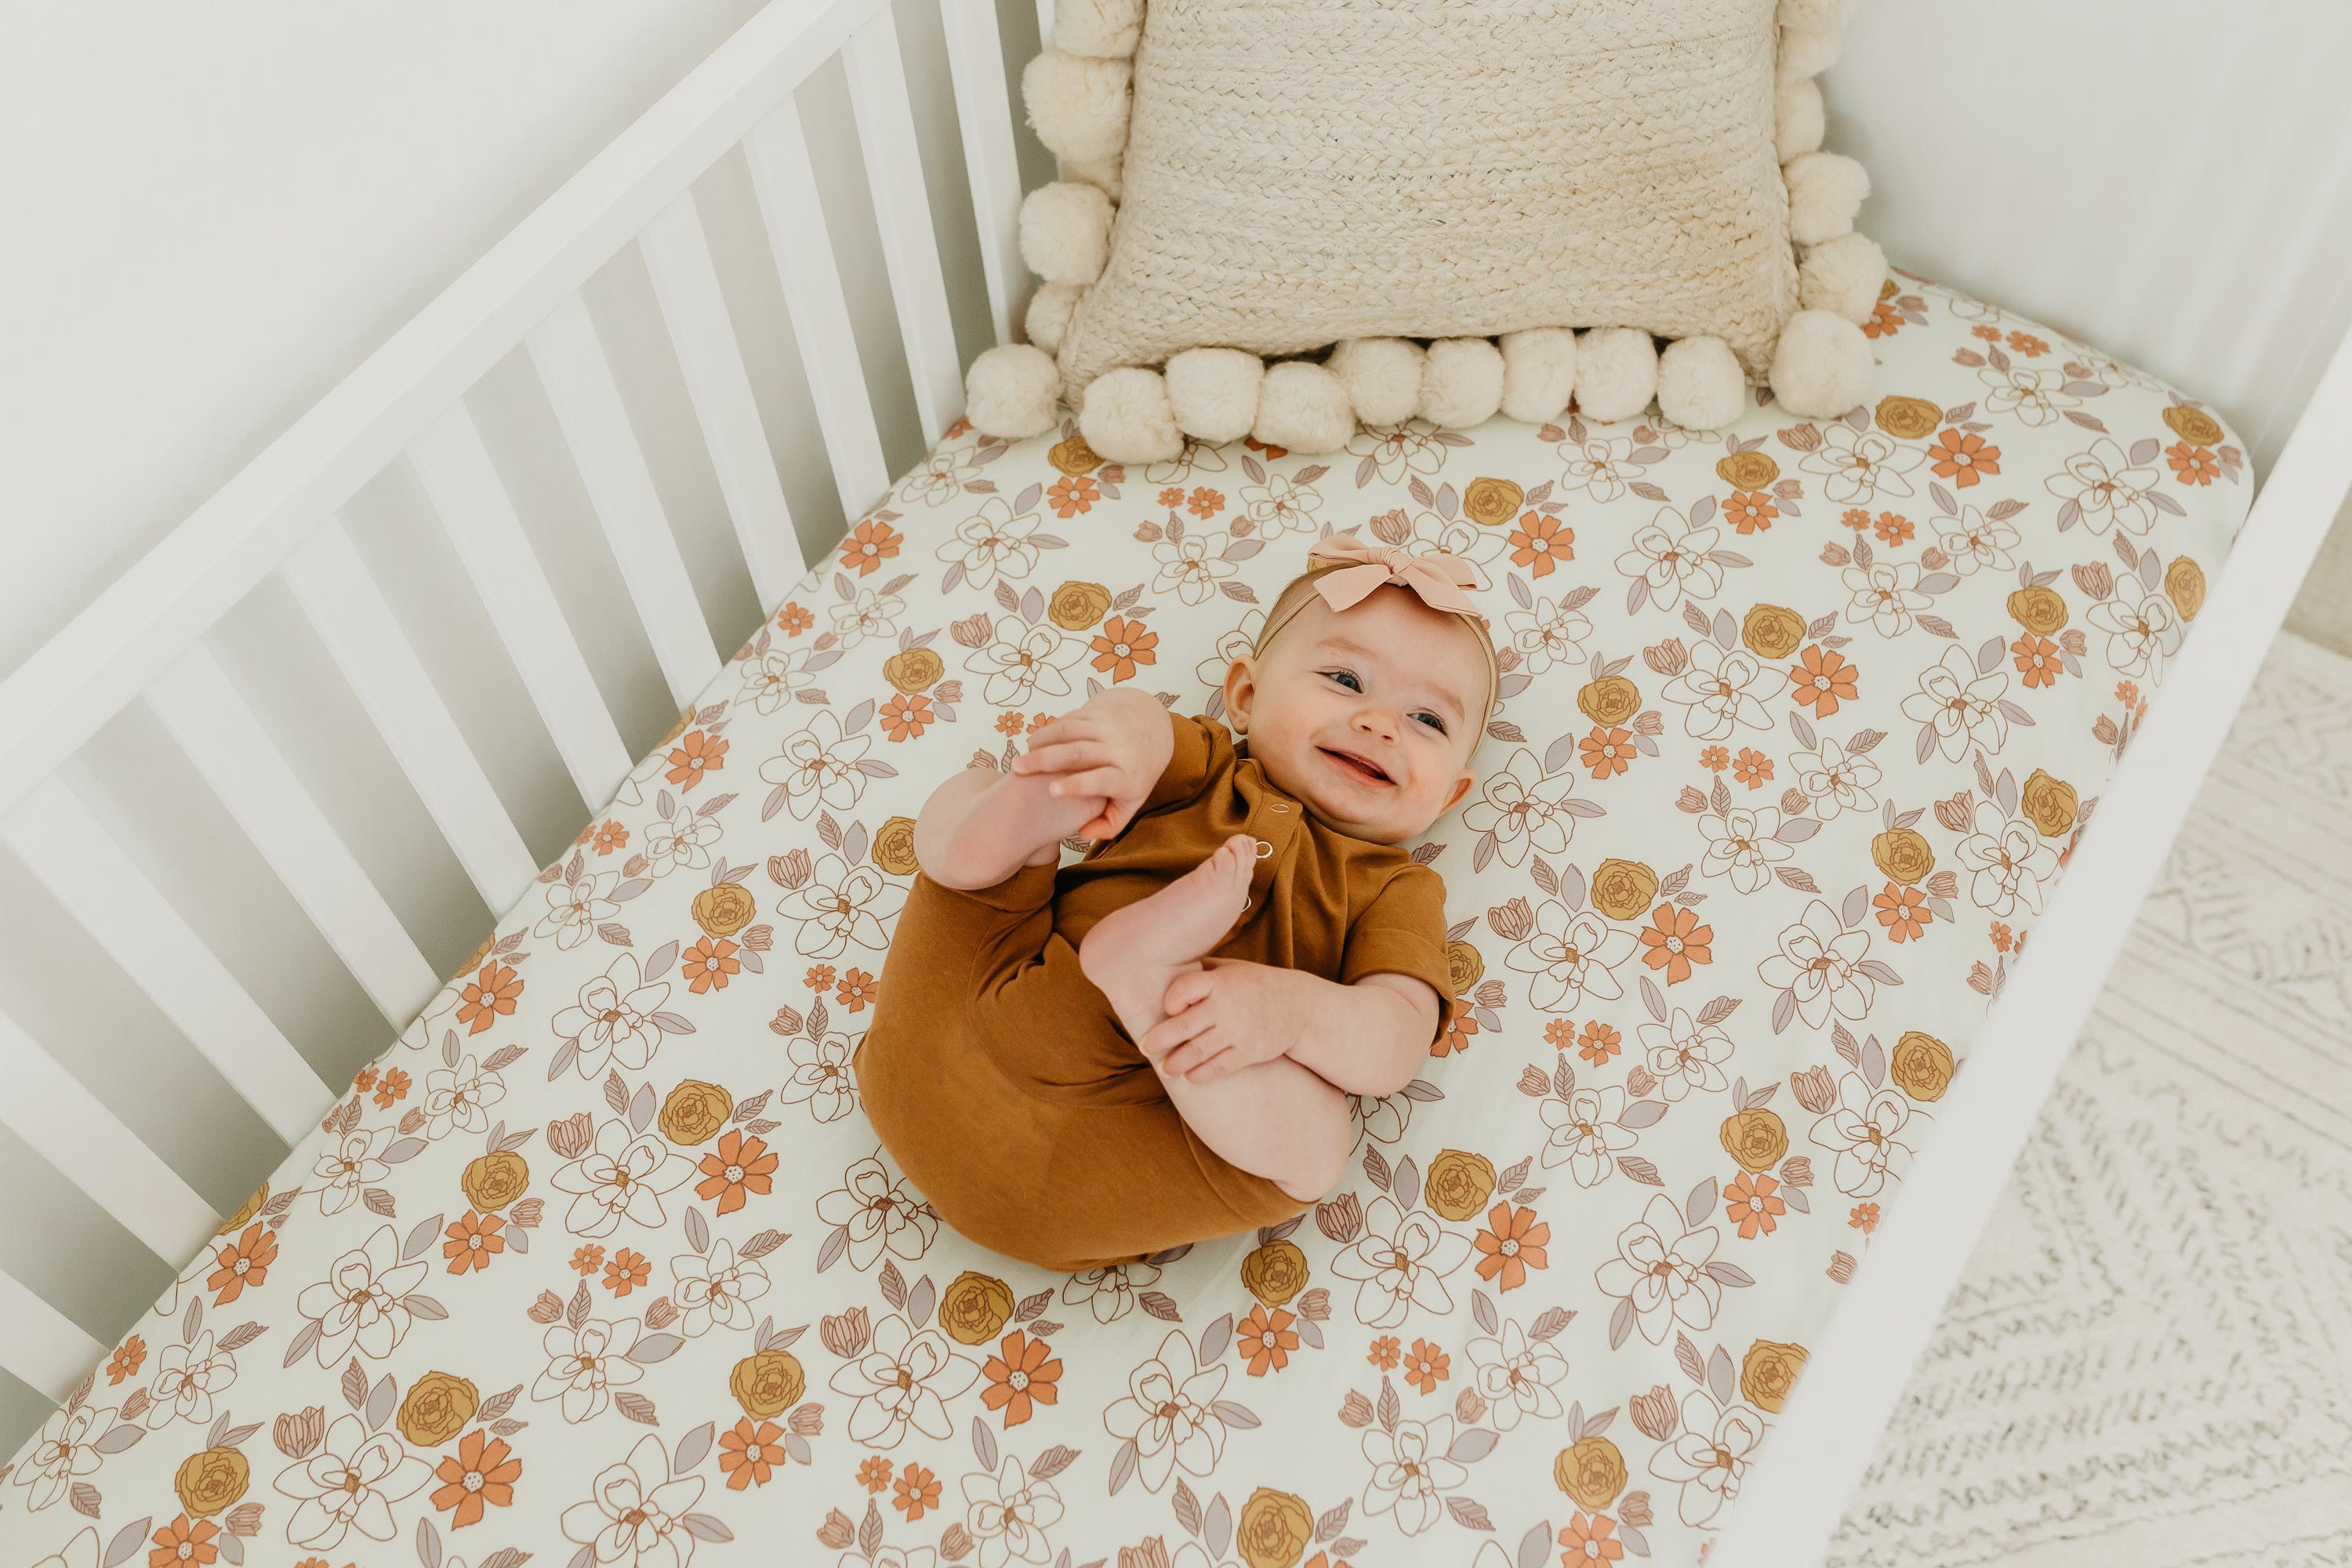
1362, 767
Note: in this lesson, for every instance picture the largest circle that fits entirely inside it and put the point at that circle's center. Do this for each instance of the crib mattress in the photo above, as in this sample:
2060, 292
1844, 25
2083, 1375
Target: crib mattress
602, 1262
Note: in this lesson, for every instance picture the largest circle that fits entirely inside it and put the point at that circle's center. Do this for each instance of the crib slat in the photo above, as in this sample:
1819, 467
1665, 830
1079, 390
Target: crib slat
686, 282
82, 866
976, 55
1045, 24
212, 723
65, 1124
786, 184
40, 1344
893, 172
343, 603
479, 518
587, 403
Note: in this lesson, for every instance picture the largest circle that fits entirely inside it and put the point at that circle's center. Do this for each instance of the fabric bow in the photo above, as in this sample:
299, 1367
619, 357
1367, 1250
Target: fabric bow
1437, 577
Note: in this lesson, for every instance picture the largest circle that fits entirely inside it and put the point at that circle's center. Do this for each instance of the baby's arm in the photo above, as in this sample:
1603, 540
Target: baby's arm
1366, 1038
1084, 775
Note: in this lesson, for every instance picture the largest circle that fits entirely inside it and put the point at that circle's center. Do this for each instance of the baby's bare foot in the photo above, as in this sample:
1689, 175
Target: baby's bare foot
981, 827
1132, 953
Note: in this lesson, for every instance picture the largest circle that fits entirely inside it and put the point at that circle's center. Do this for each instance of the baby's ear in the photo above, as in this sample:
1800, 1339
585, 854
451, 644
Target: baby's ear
1240, 691
1460, 787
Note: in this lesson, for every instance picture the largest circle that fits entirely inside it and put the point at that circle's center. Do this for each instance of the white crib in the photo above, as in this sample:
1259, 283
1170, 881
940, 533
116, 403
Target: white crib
207, 649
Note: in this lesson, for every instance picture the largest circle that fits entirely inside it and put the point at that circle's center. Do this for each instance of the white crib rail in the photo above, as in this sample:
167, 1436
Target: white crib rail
146, 635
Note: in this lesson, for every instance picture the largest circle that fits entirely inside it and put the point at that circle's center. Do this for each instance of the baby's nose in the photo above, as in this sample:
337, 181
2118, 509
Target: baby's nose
1376, 719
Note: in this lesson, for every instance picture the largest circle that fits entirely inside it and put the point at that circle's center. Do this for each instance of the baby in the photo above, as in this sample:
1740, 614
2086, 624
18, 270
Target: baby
1156, 1045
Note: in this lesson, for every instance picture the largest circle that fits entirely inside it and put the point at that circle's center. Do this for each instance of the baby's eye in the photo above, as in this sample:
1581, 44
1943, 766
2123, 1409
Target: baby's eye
1345, 678
1433, 721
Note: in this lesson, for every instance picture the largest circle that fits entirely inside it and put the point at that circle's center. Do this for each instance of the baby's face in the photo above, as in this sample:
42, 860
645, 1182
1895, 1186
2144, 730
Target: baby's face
1368, 717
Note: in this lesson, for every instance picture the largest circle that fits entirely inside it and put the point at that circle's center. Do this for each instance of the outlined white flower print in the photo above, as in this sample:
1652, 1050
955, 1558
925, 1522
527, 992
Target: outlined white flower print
350, 1483
1660, 1275
636, 1513
1398, 1263
903, 1379
623, 1176
878, 1214
1169, 1413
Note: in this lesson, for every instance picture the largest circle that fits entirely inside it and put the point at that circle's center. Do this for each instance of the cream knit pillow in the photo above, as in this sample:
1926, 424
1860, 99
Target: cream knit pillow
1283, 176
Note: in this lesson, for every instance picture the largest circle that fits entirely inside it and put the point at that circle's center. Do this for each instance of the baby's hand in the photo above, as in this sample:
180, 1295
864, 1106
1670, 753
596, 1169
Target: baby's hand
1115, 748
1228, 1015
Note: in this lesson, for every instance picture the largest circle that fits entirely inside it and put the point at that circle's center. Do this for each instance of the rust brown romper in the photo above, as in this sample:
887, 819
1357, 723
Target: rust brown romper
998, 1076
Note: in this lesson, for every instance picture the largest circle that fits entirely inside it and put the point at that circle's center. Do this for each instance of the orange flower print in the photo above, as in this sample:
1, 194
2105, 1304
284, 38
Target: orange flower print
1512, 1243
1122, 645
2127, 692
1601, 1042
1024, 1372
2038, 658
1715, 759
392, 1088
1892, 528
181, 1543
1427, 1366
1173, 497
1591, 1538
857, 991
244, 1261
1989, 334
1750, 511
1855, 518
905, 715
1964, 459
869, 545
1011, 724
473, 1241
481, 1475
695, 755
610, 836
1384, 1353
2191, 465
1864, 1217
587, 1259
1884, 322
364, 1081
1607, 752
1753, 768
1560, 1033
741, 1165
127, 1358
1904, 912
1265, 1340
1073, 494
627, 1270
1205, 503
1823, 680
1541, 544
917, 1491
1999, 937
709, 963
819, 977
1271, 454
488, 996
873, 1473
2028, 344
794, 620
1459, 1029
1749, 1202
747, 1453
1676, 940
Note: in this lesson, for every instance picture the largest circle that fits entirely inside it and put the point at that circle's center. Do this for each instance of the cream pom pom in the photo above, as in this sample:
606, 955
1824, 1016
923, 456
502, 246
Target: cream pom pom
1381, 377
1616, 373
1127, 418
1462, 382
1825, 190
1012, 391
1700, 383
1822, 366
1077, 105
1066, 231
1050, 310
1538, 373
1808, 51
1799, 119
1108, 28
1213, 393
1105, 174
1302, 407
1842, 276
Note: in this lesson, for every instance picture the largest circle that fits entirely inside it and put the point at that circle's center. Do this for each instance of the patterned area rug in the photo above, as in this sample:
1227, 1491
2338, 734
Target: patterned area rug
2150, 1358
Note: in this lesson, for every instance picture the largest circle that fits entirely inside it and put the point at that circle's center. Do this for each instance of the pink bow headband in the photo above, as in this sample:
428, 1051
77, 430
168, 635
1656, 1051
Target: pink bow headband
1359, 570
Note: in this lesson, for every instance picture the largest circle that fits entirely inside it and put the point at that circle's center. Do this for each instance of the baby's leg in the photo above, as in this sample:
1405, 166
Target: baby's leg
1275, 1119
981, 826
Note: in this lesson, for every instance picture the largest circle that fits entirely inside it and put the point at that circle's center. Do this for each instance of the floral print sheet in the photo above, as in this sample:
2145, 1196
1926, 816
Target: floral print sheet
601, 1264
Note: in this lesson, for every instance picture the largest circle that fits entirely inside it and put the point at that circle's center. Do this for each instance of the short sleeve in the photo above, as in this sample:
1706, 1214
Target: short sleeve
1402, 931
1203, 748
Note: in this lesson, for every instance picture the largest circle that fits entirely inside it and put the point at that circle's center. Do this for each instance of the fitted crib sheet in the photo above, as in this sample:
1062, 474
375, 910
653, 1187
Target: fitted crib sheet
602, 1262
